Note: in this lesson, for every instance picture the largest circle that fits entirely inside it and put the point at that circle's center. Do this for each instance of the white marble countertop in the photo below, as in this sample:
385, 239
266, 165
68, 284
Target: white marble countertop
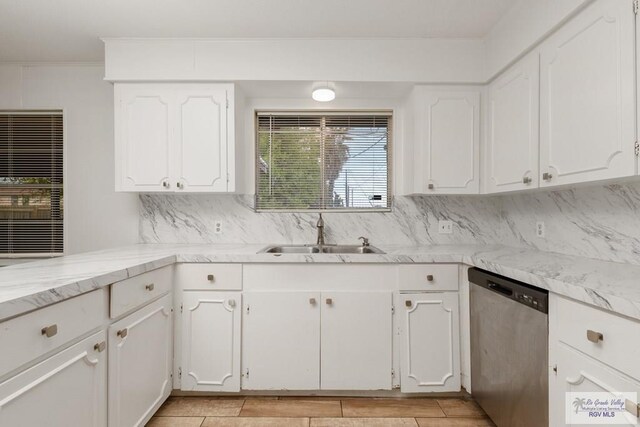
609, 285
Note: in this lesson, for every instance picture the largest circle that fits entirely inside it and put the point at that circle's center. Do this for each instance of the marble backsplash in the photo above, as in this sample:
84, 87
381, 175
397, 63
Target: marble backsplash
599, 221
413, 220
596, 221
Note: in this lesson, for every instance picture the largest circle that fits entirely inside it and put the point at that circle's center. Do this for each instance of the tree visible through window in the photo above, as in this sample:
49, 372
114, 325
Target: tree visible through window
333, 161
31, 167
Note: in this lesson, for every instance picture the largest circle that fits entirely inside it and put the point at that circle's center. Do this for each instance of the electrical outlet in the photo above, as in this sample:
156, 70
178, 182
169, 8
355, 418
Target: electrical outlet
445, 227
540, 232
218, 227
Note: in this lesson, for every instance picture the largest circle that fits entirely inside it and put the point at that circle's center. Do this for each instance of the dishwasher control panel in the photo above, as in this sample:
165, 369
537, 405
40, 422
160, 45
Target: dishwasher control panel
522, 293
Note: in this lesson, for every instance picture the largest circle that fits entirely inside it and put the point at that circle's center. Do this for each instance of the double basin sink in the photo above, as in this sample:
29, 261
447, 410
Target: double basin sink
321, 249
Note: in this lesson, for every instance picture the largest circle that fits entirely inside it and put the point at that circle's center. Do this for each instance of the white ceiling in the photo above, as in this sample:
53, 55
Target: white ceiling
68, 30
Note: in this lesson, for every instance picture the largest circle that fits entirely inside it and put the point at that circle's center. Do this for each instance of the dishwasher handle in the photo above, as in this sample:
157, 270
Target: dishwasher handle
499, 288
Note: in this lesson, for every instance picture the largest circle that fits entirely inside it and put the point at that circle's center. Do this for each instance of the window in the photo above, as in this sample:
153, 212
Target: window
31, 146
323, 161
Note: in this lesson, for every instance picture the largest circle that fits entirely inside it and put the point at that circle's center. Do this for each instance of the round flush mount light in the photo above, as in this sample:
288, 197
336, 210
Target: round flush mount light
323, 94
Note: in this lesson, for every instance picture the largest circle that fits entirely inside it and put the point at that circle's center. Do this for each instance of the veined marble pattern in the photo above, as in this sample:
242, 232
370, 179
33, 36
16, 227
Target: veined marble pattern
600, 222
413, 220
609, 285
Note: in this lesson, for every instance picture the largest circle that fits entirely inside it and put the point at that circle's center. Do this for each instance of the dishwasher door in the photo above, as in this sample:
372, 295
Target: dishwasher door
509, 354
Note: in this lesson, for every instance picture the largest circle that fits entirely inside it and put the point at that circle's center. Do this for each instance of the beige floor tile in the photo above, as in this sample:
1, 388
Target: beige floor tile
255, 422
363, 422
291, 408
460, 408
175, 422
391, 408
200, 407
454, 422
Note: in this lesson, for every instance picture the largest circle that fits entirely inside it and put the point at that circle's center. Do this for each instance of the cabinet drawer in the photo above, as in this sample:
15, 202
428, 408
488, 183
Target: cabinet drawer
139, 290
24, 339
428, 277
207, 277
618, 347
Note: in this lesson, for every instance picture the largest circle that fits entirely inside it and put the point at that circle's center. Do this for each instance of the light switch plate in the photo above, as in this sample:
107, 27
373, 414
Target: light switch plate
445, 227
540, 231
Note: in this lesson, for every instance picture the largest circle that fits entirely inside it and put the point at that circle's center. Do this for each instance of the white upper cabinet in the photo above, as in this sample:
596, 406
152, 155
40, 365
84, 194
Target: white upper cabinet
174, 137
447, 141
588, 98
511, 161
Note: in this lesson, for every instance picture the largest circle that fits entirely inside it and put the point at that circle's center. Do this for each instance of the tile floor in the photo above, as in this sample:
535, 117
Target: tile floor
318, 412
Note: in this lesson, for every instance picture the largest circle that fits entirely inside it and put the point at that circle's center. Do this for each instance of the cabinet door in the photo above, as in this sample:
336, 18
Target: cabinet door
430, 338
281, 341
513, 122
143, 137
356, 346
200, 136
211, 341
578, 373
140, 361
448, 131
587, 97
67, 389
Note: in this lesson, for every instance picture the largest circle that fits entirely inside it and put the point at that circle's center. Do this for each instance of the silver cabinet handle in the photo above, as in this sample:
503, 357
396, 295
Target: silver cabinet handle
122, 333
49, 331
429, 277
430, 186
150, 287
632, 408
594, 336
329, 301
180, 185
408, 303
99, 347
165, 184
211, 277
232, 303
547, 176
526, 180
312, 301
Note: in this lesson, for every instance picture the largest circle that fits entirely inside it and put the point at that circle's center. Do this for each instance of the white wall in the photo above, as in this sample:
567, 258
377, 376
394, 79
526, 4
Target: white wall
95, 216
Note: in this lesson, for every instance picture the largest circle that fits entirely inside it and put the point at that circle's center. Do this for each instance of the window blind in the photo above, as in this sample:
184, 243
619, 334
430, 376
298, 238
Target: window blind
333, 161
31, 183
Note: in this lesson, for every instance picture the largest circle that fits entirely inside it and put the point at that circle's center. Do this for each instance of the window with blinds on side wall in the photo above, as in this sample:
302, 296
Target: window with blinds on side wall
310, 161
31, 167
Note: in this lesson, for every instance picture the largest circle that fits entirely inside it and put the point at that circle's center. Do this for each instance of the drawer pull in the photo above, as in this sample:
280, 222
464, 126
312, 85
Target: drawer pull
312, 301
99, 347
211, 278
429, 277
408, 303
594, 336
329, 301
50, 331
232, 303
430, 186
150, 287
632, 408
122, 333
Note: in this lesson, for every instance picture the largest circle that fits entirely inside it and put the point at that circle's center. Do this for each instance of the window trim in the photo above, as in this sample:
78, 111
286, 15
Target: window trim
14, 258
315, 112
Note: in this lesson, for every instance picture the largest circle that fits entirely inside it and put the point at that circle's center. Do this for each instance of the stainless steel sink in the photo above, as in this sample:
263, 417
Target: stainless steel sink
321, 249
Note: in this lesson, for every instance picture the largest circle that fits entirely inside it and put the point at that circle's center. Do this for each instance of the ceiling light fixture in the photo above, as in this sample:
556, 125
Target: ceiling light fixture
323, 94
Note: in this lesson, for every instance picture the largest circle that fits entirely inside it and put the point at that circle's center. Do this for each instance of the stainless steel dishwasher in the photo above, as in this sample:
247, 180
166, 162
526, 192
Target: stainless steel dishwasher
509, 349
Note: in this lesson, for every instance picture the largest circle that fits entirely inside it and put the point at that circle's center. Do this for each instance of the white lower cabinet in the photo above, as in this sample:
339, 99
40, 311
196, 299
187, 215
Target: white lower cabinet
281, 341
67, 389
356, 346
211, 341
140, 363
579, 373
430, 342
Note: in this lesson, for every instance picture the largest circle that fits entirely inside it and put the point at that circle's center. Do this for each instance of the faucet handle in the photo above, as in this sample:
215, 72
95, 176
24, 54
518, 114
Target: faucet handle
365, 241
